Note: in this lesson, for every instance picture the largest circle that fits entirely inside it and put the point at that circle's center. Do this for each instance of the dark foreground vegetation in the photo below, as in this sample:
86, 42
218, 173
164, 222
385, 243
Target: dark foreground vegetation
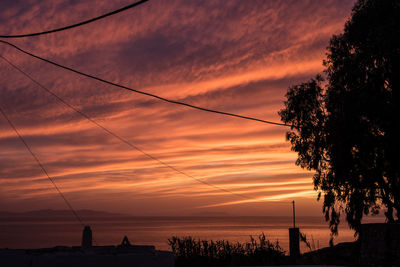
190, 252
195, 252
344, 122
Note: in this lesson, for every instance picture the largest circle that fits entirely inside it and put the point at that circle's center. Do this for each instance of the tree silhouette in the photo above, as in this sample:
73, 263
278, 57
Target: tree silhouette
345, 128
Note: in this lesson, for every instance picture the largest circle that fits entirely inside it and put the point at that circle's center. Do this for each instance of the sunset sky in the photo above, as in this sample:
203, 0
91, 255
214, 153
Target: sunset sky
235, 56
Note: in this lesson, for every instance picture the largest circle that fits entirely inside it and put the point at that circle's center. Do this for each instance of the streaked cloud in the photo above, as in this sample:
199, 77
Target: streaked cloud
234, 56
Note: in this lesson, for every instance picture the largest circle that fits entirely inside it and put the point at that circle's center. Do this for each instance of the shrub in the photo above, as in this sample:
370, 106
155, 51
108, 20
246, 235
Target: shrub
189, 251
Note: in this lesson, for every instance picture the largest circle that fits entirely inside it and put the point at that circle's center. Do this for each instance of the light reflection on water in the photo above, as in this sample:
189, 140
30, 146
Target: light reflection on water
156, 230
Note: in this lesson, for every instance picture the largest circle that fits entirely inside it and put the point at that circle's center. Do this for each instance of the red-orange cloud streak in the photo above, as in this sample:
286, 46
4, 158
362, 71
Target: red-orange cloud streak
234, 56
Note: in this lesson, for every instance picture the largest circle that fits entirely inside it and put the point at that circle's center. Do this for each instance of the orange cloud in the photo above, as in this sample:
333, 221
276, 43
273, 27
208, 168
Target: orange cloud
234, 56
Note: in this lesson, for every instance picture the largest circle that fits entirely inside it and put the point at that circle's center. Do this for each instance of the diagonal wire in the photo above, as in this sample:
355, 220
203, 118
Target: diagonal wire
119, 137
77, 24
41, 166
142, 92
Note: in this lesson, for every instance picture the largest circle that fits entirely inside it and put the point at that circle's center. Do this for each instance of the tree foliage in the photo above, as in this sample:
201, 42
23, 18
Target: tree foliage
345, 128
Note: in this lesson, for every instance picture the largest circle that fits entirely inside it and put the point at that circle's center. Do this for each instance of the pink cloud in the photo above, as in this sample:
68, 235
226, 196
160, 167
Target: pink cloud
233, 56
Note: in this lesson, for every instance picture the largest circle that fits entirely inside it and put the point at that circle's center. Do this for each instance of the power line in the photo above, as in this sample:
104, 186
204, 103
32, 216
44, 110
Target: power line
42, 167
77, 24
119, 137
142, 92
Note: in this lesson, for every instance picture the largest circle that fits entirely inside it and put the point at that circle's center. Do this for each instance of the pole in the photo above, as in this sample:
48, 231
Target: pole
294, 238
294, 216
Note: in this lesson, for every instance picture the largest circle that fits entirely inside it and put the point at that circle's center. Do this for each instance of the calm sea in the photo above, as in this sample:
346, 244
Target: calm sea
25, 233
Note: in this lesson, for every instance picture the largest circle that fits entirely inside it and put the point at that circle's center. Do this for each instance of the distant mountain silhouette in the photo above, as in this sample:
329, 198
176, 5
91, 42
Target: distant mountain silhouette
58, 214
211, 214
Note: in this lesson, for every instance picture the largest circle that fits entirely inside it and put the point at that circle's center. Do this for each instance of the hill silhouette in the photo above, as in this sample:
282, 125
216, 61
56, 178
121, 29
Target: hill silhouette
49, 214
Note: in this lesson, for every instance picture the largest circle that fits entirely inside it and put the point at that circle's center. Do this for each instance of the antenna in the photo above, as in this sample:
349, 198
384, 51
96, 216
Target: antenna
294, 215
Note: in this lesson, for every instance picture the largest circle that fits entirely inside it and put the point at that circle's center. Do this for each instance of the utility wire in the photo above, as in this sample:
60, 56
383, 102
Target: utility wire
42, 167
142, 92
119, 137
77, 24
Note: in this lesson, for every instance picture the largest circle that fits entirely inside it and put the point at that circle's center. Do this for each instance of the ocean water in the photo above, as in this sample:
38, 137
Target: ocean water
26, 233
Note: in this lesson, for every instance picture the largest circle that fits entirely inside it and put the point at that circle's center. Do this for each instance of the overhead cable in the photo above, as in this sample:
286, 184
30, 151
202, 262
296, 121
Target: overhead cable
119, 137
142, 92
41, 166
76, 24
